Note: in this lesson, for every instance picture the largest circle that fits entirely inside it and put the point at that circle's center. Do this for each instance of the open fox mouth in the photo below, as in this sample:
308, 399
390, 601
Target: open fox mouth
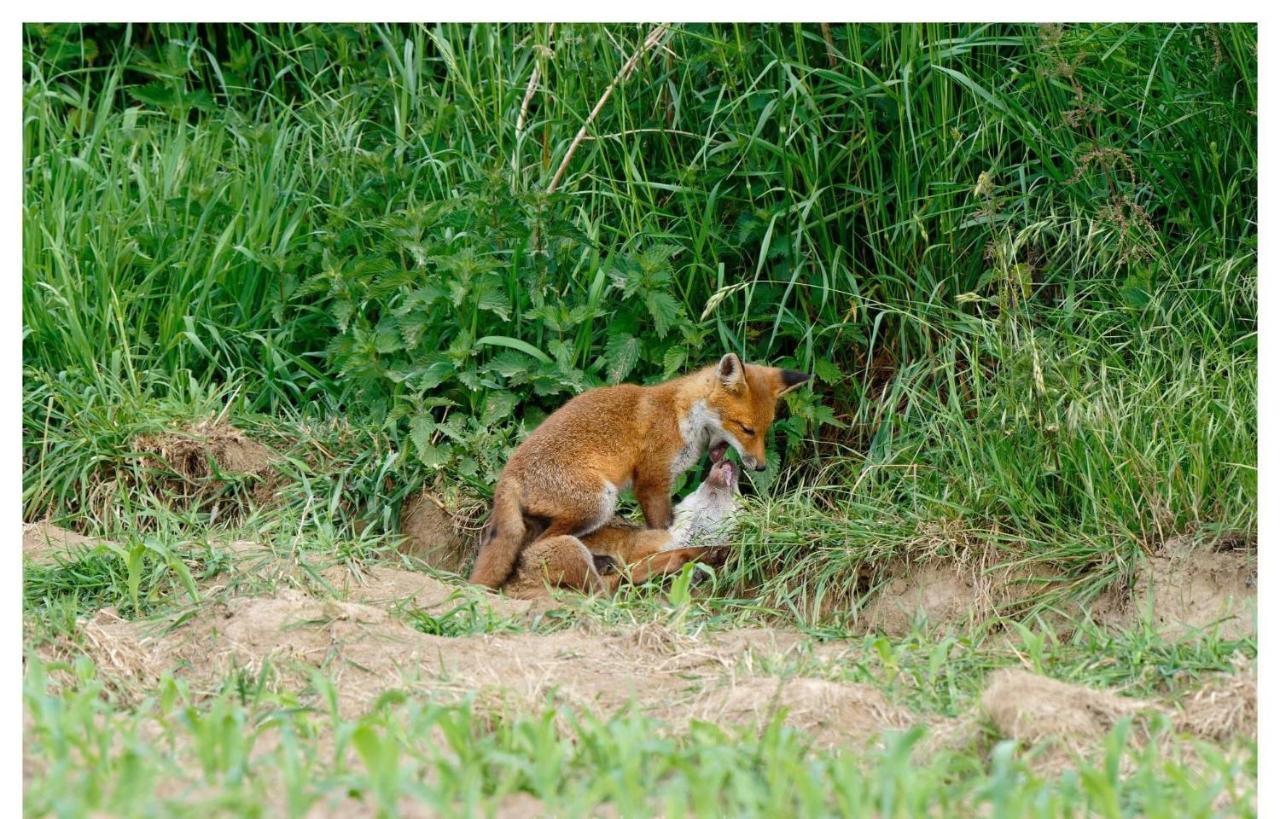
718, 452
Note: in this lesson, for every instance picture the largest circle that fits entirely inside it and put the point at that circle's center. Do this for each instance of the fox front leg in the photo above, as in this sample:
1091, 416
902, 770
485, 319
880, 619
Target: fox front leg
655, 502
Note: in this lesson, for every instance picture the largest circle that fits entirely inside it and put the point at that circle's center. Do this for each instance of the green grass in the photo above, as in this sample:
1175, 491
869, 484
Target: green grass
1020, 261
466, 618
256, 208
247, 751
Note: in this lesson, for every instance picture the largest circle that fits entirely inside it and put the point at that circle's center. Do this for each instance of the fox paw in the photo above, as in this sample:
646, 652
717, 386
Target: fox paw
605, 564
715, 556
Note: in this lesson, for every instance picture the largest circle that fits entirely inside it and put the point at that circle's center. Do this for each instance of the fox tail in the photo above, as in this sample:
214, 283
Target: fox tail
503, 537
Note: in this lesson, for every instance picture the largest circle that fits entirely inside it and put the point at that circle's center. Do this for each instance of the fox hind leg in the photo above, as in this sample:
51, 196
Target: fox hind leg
560, 562
606, 564
559, 503
576, 510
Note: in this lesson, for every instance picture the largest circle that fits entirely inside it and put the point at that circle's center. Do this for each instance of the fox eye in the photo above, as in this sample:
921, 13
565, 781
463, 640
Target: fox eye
747, 431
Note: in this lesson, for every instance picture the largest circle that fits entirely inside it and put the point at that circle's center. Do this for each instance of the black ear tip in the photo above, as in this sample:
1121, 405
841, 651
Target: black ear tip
792, 378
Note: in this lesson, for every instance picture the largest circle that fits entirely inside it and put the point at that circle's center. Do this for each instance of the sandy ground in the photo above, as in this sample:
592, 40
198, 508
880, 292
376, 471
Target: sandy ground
366, 649
1182, 589
356, 627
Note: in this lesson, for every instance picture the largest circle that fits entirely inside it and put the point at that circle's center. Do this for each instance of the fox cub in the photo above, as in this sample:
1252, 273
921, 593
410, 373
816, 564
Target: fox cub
704, 521
564, 479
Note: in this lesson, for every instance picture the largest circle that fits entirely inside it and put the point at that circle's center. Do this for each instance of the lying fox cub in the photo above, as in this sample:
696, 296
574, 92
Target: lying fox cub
619, 551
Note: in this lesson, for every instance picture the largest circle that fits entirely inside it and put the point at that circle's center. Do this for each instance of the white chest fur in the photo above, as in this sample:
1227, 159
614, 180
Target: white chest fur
696, 429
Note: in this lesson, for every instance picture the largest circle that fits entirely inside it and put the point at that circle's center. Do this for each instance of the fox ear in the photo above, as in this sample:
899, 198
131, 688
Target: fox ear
789, 380
730, 373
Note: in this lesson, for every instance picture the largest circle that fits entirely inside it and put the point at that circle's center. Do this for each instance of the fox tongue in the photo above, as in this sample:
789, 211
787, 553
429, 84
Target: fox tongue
718, 451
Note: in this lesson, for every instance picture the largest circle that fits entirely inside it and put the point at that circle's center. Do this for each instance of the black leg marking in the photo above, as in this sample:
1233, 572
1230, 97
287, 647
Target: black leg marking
606, 564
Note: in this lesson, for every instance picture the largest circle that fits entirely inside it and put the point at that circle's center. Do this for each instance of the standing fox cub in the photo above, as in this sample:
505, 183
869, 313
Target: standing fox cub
566, 476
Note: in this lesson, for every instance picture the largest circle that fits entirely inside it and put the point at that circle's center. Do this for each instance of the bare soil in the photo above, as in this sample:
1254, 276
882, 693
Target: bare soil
356, 624
1225, 708
195, 452
832, 713
441, 532
389, 586
1058, 722
1184, 589
941, 592
1189, 588
1032, 708
191, 466
45, 543
1065, 723
367, 650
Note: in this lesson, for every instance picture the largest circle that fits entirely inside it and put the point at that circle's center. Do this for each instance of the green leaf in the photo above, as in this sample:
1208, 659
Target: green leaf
656, 264
514, 344
467, 467
621, 352
824, 415
672, 360
1136, 290
200, 99
155, 93
509, 363
342, 311
379, 755
452, 428
425, 296
664, 309
387, 338
493, 299
562, 352
550, 316
625, 274
458, 291
429, 376
763, 480
583, 313
497, 406
421, 428
435, 457
411, 328
827, 372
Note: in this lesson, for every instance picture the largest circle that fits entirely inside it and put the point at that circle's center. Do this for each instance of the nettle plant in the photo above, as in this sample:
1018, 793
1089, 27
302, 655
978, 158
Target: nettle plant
459, 320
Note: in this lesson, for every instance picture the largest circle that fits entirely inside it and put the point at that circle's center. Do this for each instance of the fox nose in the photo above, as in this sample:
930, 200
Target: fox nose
752, 463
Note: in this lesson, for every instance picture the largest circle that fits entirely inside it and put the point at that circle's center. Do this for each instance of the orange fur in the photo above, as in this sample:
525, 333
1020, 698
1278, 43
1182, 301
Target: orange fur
570, 563
564, 479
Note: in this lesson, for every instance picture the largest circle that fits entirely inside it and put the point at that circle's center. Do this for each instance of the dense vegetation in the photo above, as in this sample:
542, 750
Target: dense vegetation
1004, 250
1021, 262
